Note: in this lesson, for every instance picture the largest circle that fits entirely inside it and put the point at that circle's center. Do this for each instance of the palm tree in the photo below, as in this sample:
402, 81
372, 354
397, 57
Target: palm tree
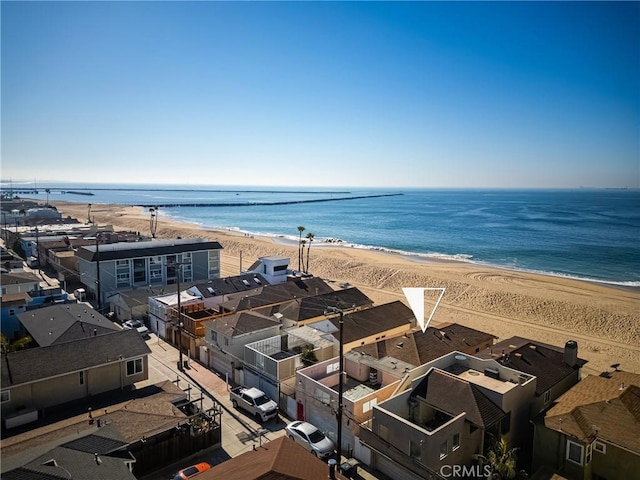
502, 461
300, 230
309, 236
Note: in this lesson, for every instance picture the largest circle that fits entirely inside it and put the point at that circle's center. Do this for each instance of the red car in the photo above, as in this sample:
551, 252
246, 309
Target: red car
192, 471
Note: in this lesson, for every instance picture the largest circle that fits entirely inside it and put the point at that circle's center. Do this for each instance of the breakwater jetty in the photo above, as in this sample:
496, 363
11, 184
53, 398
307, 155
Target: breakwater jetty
258, 204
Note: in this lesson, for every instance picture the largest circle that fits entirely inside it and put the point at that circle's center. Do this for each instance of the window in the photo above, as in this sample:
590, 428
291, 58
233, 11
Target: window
226, 342
12, 312
214, 264
547, 396
140, 270
574, 452
369, 405
5, 396
333, 367
260, 361
444, 449
214, 336
600, 447
134, 367
456, 442
81, 378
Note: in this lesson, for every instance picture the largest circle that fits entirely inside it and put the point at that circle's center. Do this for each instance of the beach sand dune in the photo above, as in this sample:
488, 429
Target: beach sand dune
604, 320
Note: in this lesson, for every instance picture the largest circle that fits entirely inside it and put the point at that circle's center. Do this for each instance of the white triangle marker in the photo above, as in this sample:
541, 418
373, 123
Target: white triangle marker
415, 297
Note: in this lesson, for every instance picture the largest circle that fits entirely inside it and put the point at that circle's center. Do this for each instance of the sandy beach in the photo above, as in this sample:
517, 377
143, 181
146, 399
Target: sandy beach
604, 320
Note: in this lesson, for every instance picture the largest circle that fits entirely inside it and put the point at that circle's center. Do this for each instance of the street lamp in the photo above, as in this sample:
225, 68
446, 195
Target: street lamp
330, 310
98, 271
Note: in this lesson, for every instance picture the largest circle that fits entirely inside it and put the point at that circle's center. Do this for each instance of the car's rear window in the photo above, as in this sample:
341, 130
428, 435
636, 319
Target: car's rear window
190, 471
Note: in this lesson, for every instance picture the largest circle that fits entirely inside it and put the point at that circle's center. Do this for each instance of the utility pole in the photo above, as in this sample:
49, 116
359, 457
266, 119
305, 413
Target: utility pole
98, 272
38, 251
340, 379
180, 325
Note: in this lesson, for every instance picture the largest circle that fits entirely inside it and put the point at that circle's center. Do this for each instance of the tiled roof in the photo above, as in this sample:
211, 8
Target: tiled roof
371, 321
450, 394
38, 363
63, 323
279, 459
315, 306
241, 323
603, 407
122, 250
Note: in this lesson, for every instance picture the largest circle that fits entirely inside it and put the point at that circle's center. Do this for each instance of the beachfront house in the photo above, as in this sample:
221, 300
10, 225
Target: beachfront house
557, 369
269, 299
216, 291
452, 407
593, 430
369, 325
274, 268
306, 310
141, 264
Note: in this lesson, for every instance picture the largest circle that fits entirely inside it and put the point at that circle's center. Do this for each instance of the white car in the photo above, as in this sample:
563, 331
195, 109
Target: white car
137, 325
310, 438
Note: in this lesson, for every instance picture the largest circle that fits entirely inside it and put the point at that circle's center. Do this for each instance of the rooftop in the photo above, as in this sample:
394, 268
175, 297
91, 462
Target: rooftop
122, 250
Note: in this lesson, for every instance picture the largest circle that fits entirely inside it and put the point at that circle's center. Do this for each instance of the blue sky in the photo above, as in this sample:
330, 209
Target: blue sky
420, 94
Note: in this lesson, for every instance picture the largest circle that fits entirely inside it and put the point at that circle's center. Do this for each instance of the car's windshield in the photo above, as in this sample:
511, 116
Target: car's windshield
316, 436
262, 400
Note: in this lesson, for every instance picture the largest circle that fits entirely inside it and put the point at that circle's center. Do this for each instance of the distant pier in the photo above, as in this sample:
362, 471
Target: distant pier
260, 204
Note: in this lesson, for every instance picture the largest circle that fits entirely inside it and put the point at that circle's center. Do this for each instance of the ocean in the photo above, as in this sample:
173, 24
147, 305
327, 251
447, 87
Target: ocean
587, 234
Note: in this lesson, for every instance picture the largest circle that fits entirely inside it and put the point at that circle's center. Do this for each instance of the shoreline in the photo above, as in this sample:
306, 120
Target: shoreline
604, 318
418, 257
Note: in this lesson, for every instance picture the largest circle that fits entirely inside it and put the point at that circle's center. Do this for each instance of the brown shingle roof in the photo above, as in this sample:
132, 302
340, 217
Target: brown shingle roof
452, 395
241, 323
418, 348
603, 407
279, 459
371, 321
544, 361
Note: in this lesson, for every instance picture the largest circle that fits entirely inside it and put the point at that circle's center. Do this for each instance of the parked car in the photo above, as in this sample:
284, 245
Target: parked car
255, 402
137, 325
310, 438
191, 471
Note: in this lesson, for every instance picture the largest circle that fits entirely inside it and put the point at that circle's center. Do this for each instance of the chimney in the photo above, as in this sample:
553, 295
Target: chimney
570, 356
332, 468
